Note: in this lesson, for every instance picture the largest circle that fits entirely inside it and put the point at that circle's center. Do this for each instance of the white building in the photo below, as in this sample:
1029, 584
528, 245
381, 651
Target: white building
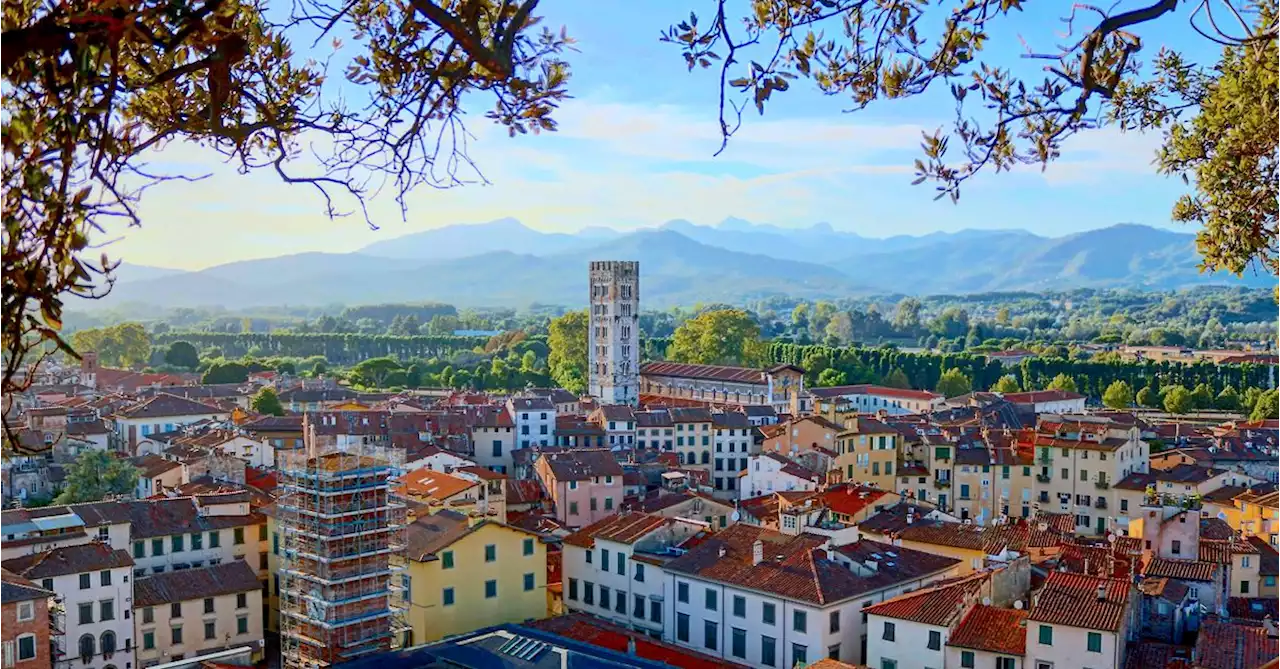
493, 438
731, 433
1048, 401
96, 594
761, 598
535, 421
159, 414
989, 637
437, 460
912, 630
197, 611
613, 568
192, 532
613, 342
619, 424
1080, 621
769, 472
865, 398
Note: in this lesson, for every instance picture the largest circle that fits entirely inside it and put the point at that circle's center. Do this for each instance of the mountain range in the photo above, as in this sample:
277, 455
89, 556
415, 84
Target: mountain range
505, 263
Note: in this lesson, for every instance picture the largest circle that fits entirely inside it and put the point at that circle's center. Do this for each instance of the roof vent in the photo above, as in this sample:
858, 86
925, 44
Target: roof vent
1102, 593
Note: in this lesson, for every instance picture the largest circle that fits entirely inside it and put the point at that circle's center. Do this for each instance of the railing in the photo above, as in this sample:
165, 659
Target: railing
941, 484
1045, 460
1100, 503
1101, 484
1043, 478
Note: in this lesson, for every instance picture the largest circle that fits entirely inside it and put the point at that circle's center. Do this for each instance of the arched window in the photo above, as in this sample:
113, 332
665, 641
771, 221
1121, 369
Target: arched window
108, 642
706, 457
86, 646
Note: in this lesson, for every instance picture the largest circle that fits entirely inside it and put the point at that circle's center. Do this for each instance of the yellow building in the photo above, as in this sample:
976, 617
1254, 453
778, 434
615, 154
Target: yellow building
866, 452
465, 573
274, 564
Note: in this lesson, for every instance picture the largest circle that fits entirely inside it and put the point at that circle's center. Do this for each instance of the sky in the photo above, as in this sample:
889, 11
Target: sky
635, 148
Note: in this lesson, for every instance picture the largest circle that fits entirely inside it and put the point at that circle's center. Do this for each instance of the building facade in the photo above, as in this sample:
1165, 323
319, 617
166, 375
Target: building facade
613, 342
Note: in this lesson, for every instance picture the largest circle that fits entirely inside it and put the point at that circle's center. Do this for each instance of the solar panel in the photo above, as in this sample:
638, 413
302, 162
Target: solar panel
523, 648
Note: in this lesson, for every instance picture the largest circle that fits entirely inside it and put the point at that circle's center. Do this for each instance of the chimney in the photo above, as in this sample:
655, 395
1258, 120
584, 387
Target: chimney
911, 516
757, 552
723, 551
1102, 593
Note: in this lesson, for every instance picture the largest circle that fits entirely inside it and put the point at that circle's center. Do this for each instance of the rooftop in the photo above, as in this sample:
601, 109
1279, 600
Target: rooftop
68, 560
624, 528
164, 404
1224, 645
708, 372
938, 605
993, 630
580, 465
187, 584
1073, 599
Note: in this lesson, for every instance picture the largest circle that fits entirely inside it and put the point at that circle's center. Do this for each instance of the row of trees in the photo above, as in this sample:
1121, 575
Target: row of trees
340, 349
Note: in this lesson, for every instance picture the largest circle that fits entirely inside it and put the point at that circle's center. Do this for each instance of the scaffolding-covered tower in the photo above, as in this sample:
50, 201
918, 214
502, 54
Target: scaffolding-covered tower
343, 528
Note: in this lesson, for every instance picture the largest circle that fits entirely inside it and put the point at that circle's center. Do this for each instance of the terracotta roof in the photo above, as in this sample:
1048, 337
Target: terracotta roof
600, 633
851, 499
1253, 608
654, 418
68, 560
1216, 529
580, 465
828, 663
1172, 591
532, 404
1072, 599
1225, 494
1041, 396
527, 491
482, 473
187, 584
623, 528
615, 412
1183, 570
435, 485
709, 372
879, 391
689, 415
1224, 645
938, 605
14, 589
993, 630
164, 404
1156, 655
1268, 556
151, 466
1218, 552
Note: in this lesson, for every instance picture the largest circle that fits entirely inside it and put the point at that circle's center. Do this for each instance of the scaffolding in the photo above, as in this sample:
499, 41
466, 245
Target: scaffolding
343, 533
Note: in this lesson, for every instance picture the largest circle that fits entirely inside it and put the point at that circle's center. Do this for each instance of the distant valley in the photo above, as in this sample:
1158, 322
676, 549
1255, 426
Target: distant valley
505, 263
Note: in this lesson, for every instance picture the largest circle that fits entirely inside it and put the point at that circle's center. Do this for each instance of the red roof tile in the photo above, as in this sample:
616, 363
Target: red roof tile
1223, 645
623, 528
992, 629
938, 605
1183, 570
599, 633
850, 499
1072, 599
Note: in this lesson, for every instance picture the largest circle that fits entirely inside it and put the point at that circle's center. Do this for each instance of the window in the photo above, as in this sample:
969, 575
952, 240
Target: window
242, 624
237, 536
208, 605
590, 556
710, 635
242, 601
1177, 547
638, 610
1005, 663
148, 615
86, 613
799, 621
605, 597
655, 612
767, 613
176, 543
890, 632
215, 539
639, 572
197, 540
1046, 635
175, 610
682, 593
966, 659
490, 589
85, 582
528, 582
591, 504
604, 559
935, 640
833, 652
573, 589
835, 622
139, 549
738, 643
47, 584
682, 627
768, 651
490, 553
621, 561
446, 560
527, 546
26, 611
1244, 587
739, 606
799, 654
886, 663
87, 646
175, 635
711, 600
210, 630
27, 647
1095, 642
107, 609
148, 640
588, 592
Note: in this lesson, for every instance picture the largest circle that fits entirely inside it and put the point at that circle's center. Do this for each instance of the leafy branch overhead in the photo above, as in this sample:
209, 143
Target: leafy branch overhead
91, 86
865, 51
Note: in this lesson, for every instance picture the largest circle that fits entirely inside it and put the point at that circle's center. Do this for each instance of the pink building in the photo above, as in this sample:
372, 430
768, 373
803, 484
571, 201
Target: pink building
584, 485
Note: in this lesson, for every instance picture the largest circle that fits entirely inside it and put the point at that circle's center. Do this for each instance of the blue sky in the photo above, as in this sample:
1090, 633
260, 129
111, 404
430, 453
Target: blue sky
635, 149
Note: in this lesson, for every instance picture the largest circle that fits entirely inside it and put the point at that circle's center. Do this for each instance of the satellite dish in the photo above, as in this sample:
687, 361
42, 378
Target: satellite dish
986, 601
735, 516
1111, 537
1018, 605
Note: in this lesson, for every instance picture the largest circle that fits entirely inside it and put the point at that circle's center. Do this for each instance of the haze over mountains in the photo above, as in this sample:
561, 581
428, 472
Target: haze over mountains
505, 263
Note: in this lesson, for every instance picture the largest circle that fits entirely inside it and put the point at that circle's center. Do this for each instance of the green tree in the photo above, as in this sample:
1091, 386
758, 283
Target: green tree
1267, 407
896, 378
567, 358
831, 377
182, 354
1202, 397
718, 337
1228, 399
266, 402
1147, 397
226, 372
1063, 382
1177, 399
374, 371
95, 475
123, 345
1007, 384
1118, 395
906, 317
953, 382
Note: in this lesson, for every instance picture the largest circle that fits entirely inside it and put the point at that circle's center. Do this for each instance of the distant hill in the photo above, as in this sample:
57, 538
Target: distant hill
505, 263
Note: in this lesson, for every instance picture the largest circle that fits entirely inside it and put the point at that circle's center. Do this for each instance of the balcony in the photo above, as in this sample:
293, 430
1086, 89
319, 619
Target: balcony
941, 484
1045, 460
1043, 478
1101, 484
1100, 503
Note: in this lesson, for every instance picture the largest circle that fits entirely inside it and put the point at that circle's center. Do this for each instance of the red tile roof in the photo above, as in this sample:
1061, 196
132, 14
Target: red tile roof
709, 372
1224, 645
938, 605
624, 528
599, 633
1183, 570
850, 499
992, 629
1040, 396
1072, 599
528, 491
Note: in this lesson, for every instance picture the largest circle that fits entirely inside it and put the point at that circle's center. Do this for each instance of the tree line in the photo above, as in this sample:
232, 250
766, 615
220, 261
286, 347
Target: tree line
340, 349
